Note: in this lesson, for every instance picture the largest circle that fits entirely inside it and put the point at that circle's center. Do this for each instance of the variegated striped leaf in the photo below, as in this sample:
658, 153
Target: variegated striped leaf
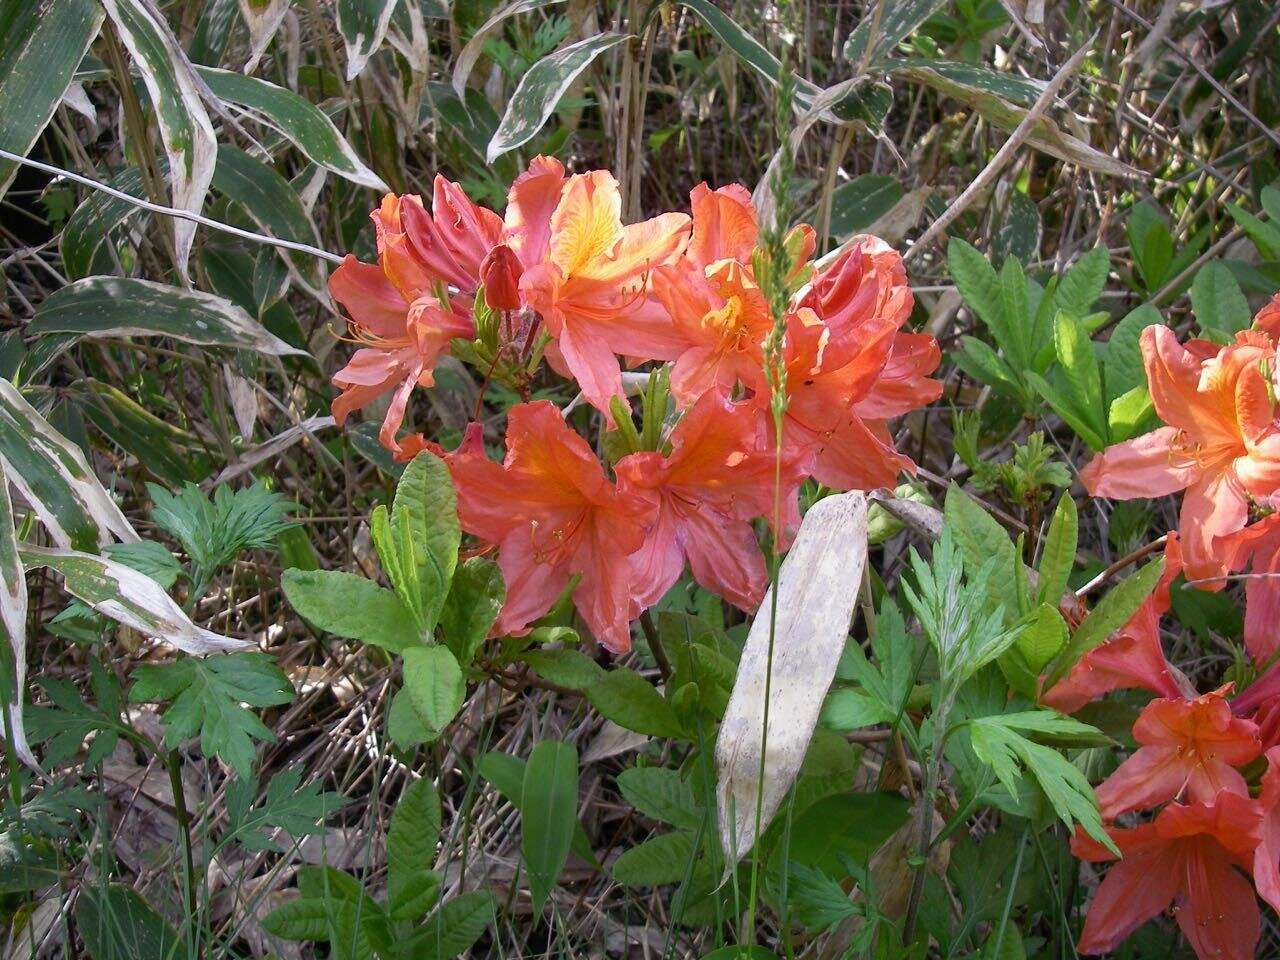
363, 25
475, 46
41, 44
262, 17
54, 477
184, 125
123, 307
128, 597
13, 618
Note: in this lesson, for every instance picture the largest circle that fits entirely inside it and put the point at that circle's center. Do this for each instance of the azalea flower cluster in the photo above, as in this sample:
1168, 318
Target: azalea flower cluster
1221, 445
571, 282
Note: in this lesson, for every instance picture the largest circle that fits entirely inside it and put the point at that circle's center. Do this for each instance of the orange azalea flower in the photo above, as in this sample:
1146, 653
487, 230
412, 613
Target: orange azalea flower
713, 483
1132, 657
554, 516
403, 332
591, 290
1187, 745
1257, 548
1221, 445
406, 309
718, 314
842, 341
1186, 857
1266, 861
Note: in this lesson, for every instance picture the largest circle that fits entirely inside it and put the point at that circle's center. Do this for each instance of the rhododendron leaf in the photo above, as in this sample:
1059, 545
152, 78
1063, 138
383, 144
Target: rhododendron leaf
1079, 288
1219, 305
1042, 638
435, 685
455, 927
1131, 413
412, 837
1016, 310
541, 88
1122, 358
631, 701
1150, 242
1112, 612
979, 361
1264, 233
418, 542
1061, 398
1058, 551
548, 813
565, 668
661, 794
350, 606
475, 599
979, 286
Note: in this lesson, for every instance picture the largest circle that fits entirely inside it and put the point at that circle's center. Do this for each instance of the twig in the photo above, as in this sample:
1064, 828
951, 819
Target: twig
1111, 571
1003, 155
170, 211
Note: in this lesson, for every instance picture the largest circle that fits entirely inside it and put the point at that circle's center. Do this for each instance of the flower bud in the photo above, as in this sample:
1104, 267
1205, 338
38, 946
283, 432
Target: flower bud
500, 274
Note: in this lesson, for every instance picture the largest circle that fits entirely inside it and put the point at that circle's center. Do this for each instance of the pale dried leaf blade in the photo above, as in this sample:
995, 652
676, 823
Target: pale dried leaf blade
818, 587
130, 598
13, 615
262, 19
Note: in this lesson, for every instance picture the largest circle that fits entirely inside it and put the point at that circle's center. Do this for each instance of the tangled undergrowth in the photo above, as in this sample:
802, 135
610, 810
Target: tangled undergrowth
634, 480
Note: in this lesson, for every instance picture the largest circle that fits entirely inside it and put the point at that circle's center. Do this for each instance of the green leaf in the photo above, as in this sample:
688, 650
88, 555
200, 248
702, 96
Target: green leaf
661, 794
980, 288
848, 709
13, 623
854, 825
53, 476
1150, 243
1082, 284
454, 927
475, 598
548, 812
1042, 638
305, 125
997, 742
982, 539
973, 79
299, 810
1219, 305
411, 850
565, 668
207, 697
1082, 374
41, 44
653, 863
1061, 397
1112, 612
1130, 414
116, 923
350, 606
435, 685
94, 220
188, 136
270, 201
301, 919
1123, 356
816, 901
363, 25
149, 557
506, 774
1016, 310
1019, 234
1058, 553
424, 539
982, 363
213, 532
113, 307
541, 88
1265, 234
631, 701
166, 451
